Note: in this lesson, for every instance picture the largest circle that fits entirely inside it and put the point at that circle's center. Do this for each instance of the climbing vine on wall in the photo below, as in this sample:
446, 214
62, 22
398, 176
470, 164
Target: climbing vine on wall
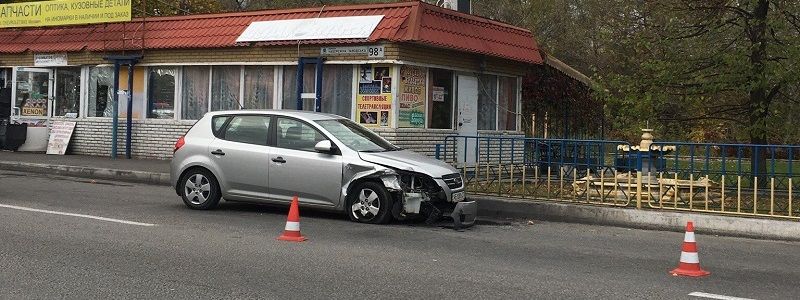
560, 105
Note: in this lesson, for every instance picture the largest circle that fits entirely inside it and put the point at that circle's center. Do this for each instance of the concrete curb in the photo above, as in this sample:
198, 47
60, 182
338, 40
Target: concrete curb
494, 207
89, 172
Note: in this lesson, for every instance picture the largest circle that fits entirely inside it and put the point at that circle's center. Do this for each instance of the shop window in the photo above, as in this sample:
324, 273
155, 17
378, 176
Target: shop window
101, 91
440, 99
161, 93
487, 102
507, 104
138, 92
337, 90
5, 78
290, 86
68, 91
225, 87
258, 87
194, 92
5, 93
33, 90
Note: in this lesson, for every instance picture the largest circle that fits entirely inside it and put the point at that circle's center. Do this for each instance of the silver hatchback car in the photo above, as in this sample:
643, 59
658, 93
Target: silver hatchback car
328, 161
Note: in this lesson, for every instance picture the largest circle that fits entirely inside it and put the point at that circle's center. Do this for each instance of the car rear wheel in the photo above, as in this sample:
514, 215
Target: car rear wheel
200, 190
370, 203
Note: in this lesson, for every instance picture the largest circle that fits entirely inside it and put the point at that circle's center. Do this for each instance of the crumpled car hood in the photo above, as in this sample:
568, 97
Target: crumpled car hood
409, 161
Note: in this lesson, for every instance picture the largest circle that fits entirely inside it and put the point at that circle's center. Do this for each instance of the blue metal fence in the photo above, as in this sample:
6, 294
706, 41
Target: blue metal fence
591, 155
732, 161
759, 180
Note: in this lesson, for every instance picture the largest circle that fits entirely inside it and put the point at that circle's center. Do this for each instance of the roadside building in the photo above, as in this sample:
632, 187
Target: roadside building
413, 72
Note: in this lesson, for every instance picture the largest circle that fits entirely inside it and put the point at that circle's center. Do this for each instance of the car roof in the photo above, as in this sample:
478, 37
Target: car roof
309, 115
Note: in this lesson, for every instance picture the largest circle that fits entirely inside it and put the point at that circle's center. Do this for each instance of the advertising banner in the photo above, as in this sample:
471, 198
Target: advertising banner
374, 97
64, 12
412, 96
60, 134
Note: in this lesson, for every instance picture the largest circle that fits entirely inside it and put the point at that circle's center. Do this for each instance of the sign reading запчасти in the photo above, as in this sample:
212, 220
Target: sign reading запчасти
64, 12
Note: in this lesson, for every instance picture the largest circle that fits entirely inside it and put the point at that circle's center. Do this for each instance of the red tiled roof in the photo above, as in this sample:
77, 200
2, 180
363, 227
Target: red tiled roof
410, 22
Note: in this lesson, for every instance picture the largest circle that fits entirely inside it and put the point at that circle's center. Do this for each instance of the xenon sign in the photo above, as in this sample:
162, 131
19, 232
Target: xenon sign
64, 12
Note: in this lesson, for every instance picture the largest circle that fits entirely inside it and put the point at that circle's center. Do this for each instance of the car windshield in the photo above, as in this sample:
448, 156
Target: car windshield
356, 137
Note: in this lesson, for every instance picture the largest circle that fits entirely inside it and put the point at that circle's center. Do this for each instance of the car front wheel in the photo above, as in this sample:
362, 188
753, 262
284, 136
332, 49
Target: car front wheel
370, 203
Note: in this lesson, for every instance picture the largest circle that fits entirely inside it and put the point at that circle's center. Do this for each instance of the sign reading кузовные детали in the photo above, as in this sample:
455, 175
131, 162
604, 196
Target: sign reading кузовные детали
64, 12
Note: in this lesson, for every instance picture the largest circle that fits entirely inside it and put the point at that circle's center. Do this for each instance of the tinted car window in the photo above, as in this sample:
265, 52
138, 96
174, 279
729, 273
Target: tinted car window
294, 134
356, 137
248, 129
217, 123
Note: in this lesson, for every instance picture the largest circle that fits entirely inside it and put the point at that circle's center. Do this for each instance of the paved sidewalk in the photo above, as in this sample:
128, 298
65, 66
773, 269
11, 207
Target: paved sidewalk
150, 171
148, 165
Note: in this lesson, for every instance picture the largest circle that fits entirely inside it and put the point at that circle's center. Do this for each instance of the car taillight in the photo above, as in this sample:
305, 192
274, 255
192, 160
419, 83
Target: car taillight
179, 144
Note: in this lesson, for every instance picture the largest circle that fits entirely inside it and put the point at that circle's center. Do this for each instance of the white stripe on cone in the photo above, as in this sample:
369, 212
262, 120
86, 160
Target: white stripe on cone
292, 226
689, 237
690, 257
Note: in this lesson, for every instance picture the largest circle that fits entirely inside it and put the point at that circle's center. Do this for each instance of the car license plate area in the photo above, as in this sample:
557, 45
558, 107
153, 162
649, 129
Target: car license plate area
458, 196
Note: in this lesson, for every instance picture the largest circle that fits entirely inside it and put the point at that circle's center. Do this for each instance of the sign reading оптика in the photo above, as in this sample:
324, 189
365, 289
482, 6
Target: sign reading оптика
64, 12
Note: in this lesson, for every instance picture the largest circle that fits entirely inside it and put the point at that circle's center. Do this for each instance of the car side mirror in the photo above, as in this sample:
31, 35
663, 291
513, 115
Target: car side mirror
324, 146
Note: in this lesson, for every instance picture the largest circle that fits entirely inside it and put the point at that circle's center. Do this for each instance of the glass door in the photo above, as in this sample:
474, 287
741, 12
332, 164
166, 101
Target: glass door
33, 93
66, 93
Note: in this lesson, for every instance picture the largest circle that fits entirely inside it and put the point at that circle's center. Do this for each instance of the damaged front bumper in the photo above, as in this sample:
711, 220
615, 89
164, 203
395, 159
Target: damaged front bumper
464, 214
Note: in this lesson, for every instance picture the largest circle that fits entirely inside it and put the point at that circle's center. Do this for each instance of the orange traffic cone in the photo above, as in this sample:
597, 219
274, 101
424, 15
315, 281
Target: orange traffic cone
689, 264
292, 231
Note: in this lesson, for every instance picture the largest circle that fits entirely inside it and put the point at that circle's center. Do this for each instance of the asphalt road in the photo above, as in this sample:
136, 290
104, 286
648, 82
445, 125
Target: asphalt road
232, 252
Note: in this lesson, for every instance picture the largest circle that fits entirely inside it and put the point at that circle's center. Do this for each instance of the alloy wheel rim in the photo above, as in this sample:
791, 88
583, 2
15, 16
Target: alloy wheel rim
197, 189
367, 206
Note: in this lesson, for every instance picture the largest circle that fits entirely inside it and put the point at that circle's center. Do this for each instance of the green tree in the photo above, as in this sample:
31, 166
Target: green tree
727, 61
174, 7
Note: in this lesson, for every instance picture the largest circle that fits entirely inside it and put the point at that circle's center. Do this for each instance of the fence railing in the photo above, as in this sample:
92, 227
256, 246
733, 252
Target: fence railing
754, 180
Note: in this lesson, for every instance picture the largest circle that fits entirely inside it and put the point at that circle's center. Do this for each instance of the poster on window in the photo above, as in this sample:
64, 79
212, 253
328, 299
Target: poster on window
365, 74
438, 94
374, 98
412, 97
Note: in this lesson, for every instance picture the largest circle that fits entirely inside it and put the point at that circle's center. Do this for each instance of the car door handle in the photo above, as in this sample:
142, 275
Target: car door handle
279, 160
218, 152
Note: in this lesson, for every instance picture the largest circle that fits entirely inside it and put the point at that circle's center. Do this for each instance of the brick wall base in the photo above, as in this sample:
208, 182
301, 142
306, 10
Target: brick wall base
149, 139
155, 138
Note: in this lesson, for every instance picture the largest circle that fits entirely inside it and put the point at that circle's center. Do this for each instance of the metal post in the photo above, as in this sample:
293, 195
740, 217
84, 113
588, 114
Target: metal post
638, 189
300, 65
115, 112
130, 61
130, 111
318, 88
